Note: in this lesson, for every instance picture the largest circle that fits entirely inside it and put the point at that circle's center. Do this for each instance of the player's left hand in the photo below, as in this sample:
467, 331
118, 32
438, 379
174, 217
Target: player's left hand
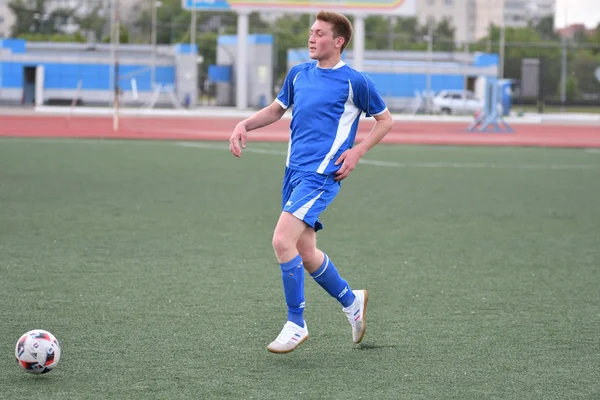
348, 159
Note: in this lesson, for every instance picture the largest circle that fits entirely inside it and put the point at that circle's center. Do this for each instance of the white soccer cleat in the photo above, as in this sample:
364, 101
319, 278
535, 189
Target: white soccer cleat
356, 315
289, 338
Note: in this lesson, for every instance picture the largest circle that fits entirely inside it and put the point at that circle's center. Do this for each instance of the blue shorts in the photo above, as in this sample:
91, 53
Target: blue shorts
306, 194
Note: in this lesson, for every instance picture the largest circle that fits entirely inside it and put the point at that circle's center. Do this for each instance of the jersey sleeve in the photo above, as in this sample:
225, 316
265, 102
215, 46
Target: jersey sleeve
285, 98
367, 97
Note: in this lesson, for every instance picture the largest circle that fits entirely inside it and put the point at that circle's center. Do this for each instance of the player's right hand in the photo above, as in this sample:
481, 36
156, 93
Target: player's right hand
237, 141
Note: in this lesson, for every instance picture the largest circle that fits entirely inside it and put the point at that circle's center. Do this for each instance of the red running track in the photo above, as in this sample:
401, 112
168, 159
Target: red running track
211, 128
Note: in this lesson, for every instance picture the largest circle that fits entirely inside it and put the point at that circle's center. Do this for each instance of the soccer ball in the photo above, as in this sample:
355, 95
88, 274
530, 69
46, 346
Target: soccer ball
37, 351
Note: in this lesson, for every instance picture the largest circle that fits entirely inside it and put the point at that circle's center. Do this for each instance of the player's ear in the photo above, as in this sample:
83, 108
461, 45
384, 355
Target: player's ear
339, 42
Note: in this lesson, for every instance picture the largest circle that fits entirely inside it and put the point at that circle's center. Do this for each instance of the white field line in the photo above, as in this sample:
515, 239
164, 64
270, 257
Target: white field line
258, 150
378, 163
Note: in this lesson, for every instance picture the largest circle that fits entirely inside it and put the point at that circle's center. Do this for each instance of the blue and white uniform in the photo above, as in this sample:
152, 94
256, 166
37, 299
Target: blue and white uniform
327, 105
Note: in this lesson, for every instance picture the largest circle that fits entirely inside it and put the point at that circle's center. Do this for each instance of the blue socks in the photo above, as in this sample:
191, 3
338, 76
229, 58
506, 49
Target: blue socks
329, 278
292, 275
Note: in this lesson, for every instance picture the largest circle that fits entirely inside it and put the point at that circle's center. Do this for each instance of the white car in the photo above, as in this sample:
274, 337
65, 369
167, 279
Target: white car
456, 102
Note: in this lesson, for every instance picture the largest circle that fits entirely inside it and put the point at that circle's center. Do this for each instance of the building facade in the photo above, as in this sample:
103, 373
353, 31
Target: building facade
403, 77
472, 18
7, 19
47, 72
82, 7
460, 13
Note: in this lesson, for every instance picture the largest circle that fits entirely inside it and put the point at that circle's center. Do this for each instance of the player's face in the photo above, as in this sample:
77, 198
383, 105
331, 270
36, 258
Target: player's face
321, 43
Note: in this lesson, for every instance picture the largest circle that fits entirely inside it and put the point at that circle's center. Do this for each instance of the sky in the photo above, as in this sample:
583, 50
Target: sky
577, 11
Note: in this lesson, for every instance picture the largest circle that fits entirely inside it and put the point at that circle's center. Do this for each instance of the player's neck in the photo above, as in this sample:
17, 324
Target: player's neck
328, 63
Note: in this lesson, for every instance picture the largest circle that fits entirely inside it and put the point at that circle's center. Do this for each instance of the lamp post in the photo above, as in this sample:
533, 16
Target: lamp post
193, 27
154, 6
2, 19
502, 43
429, 39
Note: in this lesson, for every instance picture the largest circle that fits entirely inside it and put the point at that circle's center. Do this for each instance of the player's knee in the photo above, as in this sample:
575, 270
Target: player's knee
281, 244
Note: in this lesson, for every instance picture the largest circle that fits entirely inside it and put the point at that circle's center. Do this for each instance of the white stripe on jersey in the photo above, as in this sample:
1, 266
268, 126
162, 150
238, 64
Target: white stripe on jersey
296, 77
287, 159
301, 212
343, 131
281, 104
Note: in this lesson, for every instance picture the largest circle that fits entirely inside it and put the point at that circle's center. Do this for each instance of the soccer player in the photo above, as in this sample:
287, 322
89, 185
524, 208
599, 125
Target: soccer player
328, 98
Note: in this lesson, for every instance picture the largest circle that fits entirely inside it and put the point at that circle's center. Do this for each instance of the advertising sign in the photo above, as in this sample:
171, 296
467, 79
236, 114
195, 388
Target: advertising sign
366, 7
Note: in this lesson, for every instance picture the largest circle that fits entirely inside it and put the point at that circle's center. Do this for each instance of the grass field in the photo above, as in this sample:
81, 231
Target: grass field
152, 264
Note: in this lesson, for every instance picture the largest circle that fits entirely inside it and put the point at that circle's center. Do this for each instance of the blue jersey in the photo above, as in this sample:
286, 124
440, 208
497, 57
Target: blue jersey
327, 105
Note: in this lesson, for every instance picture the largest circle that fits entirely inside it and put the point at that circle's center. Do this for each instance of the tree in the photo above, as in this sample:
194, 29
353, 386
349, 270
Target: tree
57, 37
377, 32
289, 32
583, 65
545, 28
410, 35
171, 25
595, 40
123, 35
32, 16
527, 43
572, 88
443, 35
94, 22
25, 12
256, 23
596, 36
580, 37
173, 22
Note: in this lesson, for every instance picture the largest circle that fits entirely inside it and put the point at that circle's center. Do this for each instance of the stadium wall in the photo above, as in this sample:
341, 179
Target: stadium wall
402, 76
67, 65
